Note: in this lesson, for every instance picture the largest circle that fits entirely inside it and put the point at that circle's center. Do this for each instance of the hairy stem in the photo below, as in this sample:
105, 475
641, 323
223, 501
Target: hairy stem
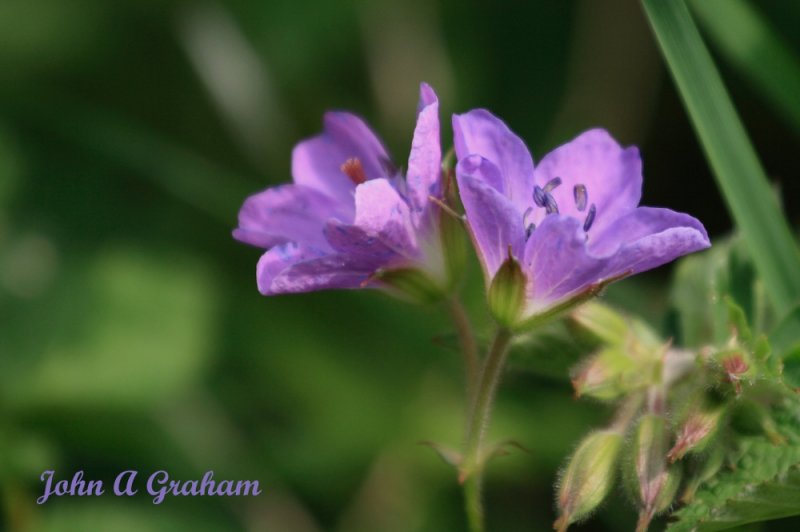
473, 502
468, 345
472, 465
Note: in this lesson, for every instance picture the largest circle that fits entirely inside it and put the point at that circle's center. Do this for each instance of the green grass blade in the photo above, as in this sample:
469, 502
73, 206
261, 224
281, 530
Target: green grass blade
736, 167
746, 40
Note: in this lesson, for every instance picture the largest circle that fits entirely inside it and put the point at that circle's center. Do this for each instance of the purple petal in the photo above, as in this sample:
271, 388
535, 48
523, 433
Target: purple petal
292, 269
556, 261
354, 241
278, 259
425, 160
285, 213
481, 133
647, 238
560, 262
317, 162
495, 224
611, 174
382, 228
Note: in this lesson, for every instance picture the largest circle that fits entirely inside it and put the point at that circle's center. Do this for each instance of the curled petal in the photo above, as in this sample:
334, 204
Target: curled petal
647, 238
355, 241
289, 268
479, 132
425, 160
563, 263
283, 214
317, 162
382, 225
495, 224
611, 175
381, 210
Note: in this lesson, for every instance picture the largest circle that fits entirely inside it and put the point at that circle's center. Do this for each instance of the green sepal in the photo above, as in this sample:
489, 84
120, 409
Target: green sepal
507, 293
410, 283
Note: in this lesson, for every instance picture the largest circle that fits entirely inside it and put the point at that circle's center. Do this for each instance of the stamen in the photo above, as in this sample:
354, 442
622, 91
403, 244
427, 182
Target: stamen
590, 218
529, 230
550, 203
581, 197
552, 184
353, 169
538, 196
526, 213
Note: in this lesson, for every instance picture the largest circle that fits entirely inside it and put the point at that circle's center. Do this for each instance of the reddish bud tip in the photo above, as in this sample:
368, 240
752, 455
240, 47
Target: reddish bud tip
561, 524
735, 365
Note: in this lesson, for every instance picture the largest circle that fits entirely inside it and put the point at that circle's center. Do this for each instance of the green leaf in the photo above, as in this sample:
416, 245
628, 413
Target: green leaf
786, 336
791, 368
763, 484
733, 159
704, 288
695, 297
745, 38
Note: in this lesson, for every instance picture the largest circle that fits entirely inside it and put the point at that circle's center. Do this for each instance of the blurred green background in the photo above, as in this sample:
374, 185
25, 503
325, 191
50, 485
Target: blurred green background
132, 335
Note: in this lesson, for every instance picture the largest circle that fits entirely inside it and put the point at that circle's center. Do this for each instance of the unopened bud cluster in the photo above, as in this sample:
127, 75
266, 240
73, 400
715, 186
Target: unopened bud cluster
672, 406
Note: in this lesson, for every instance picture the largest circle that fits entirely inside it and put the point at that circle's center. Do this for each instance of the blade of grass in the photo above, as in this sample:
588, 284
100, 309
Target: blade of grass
735, 164
745, 39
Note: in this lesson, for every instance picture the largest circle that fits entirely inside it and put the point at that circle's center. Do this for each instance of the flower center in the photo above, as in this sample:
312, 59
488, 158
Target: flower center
542, 197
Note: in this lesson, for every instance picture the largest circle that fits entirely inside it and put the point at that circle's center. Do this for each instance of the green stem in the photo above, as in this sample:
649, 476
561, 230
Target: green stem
468, 344
473, 503
472, 465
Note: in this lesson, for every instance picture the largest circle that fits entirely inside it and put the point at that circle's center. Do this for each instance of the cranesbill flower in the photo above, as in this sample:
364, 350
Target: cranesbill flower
572, 222
350, 217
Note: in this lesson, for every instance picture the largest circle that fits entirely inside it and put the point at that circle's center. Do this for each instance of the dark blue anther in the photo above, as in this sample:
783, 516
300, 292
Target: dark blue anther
552, 184
550, 203
538, 196
590, 218
581, 197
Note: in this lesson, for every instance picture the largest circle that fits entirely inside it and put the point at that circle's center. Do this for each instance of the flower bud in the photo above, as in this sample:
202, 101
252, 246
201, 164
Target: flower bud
663, 499
736, 366
602, 322
653, 484
614, 328
696, 431
588, 478
617, 371
507, 293
606, 375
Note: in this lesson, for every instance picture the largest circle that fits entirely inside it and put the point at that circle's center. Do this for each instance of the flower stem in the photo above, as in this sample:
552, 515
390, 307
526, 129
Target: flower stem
473, 503
468, 344
472, 465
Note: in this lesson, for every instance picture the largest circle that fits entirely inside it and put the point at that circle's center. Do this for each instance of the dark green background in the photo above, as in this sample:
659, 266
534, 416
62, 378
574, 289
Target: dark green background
132, 335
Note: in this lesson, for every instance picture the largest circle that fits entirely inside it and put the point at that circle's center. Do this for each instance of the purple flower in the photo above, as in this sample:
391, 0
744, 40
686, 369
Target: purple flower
349, 215
572, 222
